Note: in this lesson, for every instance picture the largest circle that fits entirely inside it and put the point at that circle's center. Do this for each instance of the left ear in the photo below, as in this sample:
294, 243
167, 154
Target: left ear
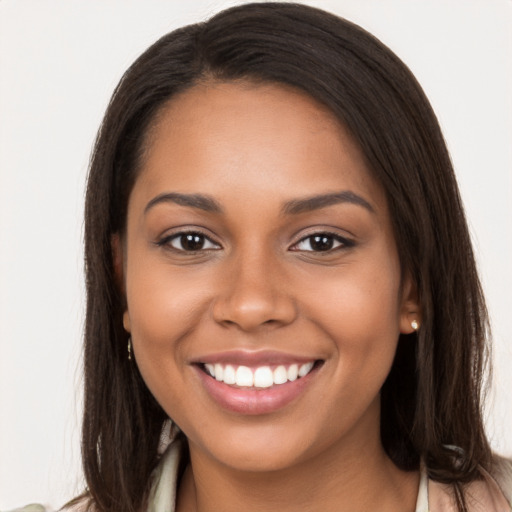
119, 273
410, 311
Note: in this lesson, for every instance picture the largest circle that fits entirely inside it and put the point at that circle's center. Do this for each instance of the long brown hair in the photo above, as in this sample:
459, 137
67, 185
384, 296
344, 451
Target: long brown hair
431, 400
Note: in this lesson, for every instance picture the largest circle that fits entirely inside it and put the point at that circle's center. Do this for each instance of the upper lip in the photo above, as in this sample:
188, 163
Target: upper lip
253, 358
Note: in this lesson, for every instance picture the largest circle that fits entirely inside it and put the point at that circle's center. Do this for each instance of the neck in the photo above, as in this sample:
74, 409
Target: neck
356, 477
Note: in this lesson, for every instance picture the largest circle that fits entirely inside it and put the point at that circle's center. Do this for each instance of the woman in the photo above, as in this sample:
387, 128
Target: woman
277, 259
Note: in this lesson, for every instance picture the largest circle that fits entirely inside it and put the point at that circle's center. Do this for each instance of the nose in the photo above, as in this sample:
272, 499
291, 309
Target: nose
254, 295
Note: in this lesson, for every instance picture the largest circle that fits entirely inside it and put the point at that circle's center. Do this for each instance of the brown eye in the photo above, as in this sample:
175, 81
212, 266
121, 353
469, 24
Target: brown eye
322, 242
190, 242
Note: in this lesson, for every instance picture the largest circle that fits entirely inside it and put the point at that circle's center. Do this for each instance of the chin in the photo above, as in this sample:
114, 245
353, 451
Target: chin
269, 448
259, 461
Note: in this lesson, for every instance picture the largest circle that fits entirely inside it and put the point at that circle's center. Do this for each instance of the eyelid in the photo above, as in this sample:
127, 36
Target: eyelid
345, 243
165, 240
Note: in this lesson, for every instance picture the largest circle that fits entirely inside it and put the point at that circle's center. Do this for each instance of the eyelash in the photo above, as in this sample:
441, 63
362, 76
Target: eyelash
332, 238
344, 243
167, 241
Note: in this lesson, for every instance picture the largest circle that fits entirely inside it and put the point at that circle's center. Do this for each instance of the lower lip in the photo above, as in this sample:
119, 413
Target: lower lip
255, 401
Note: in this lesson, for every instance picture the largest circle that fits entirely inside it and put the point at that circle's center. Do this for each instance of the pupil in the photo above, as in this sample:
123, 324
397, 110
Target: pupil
321, 243
192, 242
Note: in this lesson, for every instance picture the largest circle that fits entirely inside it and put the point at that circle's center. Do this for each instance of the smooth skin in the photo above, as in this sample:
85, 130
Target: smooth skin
254, 278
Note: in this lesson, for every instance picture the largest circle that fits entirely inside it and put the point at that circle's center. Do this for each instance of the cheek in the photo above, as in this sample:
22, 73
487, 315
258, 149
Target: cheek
162, 313
164, 307
363, 299
360, 312
163, 303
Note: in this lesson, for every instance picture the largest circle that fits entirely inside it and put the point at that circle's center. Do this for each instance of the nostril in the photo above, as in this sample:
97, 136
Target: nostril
249, 309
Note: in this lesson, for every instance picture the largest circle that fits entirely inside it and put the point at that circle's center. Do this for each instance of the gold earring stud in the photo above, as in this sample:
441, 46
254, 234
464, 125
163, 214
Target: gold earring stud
415, 325
129, 349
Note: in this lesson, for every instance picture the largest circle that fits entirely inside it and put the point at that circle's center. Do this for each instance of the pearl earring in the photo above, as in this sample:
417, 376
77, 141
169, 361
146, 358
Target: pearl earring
129, 349
415, 325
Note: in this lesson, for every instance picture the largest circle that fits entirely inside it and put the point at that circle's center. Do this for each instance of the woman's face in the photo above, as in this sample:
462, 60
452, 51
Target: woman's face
264, 291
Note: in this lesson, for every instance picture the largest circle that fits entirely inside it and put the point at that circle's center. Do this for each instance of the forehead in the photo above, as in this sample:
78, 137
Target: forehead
257, 136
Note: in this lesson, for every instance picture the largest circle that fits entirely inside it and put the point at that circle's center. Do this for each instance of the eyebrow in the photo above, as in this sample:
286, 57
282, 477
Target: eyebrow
199, 201
309, 204
293, 207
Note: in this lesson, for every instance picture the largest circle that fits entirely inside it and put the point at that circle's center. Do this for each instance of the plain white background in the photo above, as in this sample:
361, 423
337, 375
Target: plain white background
59, 62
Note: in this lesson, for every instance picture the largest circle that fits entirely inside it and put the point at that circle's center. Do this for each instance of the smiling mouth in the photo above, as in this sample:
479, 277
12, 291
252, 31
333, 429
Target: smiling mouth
261, 377
265, 384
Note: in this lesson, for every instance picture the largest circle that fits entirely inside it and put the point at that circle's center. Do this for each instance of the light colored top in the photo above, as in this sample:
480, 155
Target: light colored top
491, 494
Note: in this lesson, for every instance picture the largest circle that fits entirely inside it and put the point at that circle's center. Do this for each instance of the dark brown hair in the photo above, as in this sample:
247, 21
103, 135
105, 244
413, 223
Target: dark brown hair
431, 400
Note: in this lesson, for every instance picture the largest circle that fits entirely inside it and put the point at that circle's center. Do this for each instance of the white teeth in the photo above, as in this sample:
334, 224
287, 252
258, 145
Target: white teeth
261, 377
219, 372
244, 377
229, 375
304, 369
280, 375
293, 372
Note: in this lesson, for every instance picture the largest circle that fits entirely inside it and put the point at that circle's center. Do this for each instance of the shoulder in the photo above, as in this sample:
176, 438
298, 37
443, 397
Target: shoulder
34, 507
80, 504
